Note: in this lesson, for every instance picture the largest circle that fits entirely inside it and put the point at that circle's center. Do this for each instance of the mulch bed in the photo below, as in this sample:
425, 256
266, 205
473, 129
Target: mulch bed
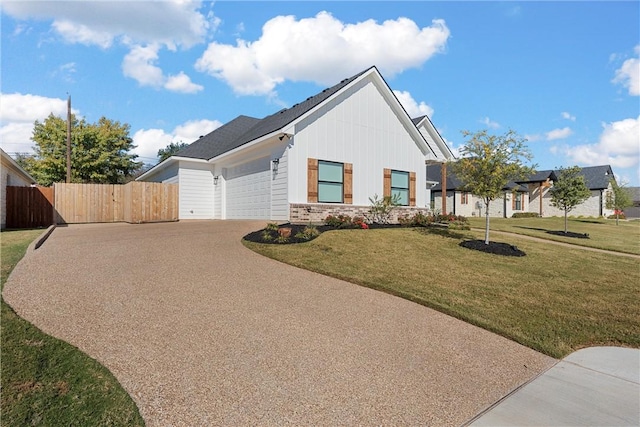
494, 248
569, 234
256, 236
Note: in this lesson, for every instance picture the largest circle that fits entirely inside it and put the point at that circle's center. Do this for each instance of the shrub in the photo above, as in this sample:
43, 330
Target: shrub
339, 221
417, 220
525, 215
309, 232
621, 215
381, 209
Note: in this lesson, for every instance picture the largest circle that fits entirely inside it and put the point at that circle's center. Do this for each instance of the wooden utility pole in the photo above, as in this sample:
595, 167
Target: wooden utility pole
69, 139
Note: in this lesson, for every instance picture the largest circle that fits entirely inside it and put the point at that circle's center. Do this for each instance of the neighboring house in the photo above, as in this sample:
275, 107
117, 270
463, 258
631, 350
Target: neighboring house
633, 211
326, 155
515, 197
11, 175
529, 195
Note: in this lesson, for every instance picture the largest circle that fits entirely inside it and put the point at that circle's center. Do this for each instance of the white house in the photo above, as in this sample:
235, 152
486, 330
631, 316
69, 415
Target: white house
328, 154
11, 175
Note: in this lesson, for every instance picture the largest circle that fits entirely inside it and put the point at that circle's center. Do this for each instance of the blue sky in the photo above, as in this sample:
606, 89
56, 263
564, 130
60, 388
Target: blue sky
566, 75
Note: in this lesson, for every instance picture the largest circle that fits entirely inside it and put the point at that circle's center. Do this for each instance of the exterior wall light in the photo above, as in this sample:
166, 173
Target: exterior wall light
274, 165
215, 179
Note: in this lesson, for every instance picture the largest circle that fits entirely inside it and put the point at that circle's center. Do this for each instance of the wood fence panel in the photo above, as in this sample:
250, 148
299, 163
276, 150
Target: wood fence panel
29, 207
134, 202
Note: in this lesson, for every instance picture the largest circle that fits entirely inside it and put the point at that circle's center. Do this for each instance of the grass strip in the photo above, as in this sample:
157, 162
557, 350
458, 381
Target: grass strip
46, 381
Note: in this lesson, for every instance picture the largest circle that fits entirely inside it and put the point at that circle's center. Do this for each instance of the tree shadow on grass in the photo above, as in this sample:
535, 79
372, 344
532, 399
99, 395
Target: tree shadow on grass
443, 232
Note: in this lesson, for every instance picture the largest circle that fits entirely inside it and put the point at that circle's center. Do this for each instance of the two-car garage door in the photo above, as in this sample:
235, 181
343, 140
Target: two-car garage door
248, 190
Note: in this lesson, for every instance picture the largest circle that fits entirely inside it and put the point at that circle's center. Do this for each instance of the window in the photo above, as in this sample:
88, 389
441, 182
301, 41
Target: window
517, 202
400, 186
330, 182
464, 198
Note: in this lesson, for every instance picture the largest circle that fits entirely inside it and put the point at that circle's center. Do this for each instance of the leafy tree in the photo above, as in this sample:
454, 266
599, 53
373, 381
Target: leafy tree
619, 198
170, 150
569, 191
100, 152
488, 163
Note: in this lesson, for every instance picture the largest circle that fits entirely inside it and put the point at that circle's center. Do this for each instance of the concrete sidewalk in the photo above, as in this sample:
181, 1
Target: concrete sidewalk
598, 386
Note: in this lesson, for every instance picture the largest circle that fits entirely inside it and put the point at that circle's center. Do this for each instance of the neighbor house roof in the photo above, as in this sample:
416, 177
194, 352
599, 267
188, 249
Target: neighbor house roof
541, 176
243, 129
434, 174
597, 177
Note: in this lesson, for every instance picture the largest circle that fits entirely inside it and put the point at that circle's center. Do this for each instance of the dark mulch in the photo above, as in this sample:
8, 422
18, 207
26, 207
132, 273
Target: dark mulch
257, 236
494, 248
569, 234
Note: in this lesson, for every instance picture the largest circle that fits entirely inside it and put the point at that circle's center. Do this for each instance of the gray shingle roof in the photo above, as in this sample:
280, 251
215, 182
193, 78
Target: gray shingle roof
220, 140
597, 177
243, 129
434, 174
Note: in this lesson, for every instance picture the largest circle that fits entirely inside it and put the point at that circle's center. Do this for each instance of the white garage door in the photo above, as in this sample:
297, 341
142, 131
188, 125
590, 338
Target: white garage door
249, 190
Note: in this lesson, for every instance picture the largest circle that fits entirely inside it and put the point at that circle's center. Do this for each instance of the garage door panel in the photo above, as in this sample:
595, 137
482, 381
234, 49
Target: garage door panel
249, 190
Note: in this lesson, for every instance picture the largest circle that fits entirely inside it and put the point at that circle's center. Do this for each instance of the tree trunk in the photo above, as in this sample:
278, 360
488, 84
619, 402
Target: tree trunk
565, 221
486, 225
617, 216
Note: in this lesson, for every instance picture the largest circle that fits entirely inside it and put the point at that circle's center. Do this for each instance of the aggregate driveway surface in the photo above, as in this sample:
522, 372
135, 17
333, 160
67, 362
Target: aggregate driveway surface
202, 331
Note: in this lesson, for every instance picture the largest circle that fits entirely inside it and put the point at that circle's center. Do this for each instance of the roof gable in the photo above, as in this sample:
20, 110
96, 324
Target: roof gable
443, 147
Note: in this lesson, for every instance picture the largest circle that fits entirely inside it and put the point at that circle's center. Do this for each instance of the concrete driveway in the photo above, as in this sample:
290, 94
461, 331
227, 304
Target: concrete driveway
202, 331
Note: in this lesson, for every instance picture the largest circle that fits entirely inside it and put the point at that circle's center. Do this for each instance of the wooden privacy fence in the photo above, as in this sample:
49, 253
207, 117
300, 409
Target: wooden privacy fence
29, 207
135, 202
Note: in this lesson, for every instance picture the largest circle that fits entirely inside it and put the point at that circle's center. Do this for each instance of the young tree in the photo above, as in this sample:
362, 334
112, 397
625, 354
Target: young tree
100, 152
619, 198
170, 150
569, 191
488, 163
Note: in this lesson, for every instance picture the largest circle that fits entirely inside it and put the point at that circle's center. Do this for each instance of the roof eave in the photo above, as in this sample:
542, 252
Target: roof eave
165, 163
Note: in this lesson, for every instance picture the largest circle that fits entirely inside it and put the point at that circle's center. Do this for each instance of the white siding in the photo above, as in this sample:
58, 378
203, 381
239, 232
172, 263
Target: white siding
248, 190
279, 191
358, 127
438, 154
196, 191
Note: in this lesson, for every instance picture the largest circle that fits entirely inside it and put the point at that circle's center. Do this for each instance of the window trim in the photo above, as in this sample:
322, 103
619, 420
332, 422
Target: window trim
464, 198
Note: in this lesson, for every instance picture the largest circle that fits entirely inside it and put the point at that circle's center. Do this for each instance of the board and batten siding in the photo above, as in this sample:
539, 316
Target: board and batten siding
279, 191
359, 127
196, 191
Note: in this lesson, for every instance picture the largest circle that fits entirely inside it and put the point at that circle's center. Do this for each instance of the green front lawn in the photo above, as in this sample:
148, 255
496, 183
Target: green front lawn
46, 381
603, 233
555, 299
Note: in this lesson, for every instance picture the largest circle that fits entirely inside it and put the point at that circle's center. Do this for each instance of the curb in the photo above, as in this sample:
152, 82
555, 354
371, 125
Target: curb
40, 240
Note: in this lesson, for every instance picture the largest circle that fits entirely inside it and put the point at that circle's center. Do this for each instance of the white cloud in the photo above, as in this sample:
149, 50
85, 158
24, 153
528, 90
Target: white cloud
149, 141
628, 75
18, 112
321, 49
182, 83
411, 105
81, 34
140, 65
558, 134
100, 23
489, 123
619, 145
568, 116
533, 137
